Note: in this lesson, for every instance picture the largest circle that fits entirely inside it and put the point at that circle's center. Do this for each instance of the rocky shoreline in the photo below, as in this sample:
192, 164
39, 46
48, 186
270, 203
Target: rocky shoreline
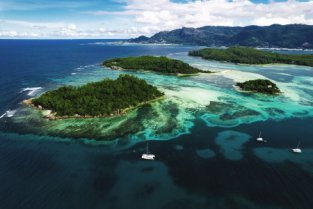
49, 114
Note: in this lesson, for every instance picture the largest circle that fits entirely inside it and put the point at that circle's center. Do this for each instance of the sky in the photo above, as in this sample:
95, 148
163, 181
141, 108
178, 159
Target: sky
73, 19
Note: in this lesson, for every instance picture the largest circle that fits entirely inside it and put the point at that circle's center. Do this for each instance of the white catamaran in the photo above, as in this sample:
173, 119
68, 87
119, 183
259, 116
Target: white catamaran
147, 155
260, 139
297, 150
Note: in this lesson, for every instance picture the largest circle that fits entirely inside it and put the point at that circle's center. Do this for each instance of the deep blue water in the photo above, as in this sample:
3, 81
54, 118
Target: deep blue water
27, 63
42, 172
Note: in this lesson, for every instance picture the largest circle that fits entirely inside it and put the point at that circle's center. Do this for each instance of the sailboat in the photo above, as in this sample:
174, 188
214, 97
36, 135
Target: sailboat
147, 155
297, 150
260, 139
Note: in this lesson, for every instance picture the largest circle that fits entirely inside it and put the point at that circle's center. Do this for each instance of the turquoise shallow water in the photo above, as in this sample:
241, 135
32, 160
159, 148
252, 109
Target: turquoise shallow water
209, 97
203, 134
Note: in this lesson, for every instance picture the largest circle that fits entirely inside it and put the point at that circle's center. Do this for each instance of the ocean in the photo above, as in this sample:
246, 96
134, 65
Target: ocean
203, 134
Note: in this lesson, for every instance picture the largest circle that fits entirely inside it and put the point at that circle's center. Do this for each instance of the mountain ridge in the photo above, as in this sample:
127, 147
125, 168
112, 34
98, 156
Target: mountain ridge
273, 36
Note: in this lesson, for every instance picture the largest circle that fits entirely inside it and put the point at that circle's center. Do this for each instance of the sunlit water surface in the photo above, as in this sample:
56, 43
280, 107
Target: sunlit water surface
203, 133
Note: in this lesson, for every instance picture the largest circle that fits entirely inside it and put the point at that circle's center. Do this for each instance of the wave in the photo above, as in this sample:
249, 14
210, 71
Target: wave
8, 113
3, 115
31, 90
82, 67
125, 43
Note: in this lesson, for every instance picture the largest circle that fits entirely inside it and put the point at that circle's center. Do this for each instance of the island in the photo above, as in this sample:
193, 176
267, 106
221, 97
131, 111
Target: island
246, 55
263, 86
295, 36
150, 63
98, 99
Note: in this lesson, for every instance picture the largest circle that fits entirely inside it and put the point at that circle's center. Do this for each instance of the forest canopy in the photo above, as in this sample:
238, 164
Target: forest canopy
101, 98
260, 86
246, 55
151, 63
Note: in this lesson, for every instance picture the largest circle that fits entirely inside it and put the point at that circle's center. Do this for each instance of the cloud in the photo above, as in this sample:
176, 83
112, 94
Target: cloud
143, 17
25, 29
28, 29
15, 34
167, 15
69, 31
29, 24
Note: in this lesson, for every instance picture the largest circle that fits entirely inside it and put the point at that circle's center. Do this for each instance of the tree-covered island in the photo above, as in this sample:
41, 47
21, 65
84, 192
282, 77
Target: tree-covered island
260, 86
246, 55
98, 99
151, 63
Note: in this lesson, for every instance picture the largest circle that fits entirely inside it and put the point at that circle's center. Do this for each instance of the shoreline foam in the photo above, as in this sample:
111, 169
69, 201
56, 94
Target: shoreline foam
31, 90
49, 114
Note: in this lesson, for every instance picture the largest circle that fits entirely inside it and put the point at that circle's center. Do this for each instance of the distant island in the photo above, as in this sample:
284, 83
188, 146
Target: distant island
97, 99
151, 63
260, 86
245, 55
273, 36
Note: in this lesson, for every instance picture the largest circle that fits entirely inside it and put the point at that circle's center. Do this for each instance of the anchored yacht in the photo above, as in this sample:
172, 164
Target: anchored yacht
260, 139
147, 155
297, 150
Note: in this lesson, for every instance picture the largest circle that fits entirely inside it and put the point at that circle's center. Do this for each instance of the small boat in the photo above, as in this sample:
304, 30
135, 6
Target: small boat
147, 155
297, 150
260, 139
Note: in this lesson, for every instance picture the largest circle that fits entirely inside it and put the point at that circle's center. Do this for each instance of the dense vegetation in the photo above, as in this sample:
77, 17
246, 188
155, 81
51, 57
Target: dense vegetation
247, 55
260, 86
150, 63
99, 98
285, 36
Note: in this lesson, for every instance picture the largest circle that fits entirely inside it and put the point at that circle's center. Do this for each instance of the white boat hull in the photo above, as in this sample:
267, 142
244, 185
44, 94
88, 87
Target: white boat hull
148, 156
297, 150
260, 139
